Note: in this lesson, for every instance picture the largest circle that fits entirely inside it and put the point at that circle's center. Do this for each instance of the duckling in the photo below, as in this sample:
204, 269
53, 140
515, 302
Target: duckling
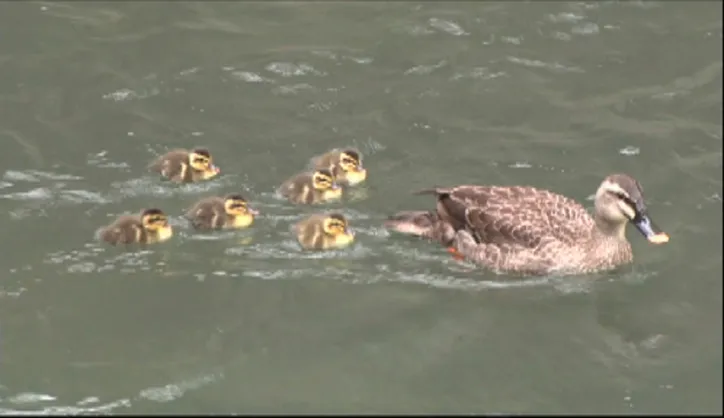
184, 166
323, 232
215, 212
311, 187
150, 227
346, 165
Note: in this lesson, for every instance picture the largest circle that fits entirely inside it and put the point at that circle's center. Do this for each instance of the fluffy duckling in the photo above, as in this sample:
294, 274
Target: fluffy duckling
215, 212
184, 166
150, 227
345, 165
311, 187
323, 232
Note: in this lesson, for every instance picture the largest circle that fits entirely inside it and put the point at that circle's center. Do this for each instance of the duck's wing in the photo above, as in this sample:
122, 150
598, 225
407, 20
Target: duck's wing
513, 214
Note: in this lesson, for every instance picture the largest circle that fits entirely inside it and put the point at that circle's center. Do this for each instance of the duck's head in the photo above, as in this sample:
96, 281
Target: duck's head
154, 220
201, 161
350, 162
235, 205
323, 180
619, 200
336, 227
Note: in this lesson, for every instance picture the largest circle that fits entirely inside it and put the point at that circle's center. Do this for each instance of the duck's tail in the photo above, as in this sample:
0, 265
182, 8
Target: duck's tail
437, 191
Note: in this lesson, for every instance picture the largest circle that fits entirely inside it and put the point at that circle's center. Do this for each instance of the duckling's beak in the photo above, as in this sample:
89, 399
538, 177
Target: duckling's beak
643, 223
335, 186
251, 211
215, 168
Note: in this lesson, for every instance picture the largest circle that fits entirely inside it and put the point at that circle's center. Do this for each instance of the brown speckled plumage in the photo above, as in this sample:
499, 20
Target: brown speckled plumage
525, 230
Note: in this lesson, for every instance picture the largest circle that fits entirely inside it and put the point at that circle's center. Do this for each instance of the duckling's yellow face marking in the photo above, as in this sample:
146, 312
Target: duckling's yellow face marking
156, 222
336, 227
237, 207
351, 165
203, 164
323, 180
164, 233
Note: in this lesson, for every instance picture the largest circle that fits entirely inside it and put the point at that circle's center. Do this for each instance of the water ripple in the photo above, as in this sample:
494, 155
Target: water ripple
447, 26
556, 67
32, 403
287, 69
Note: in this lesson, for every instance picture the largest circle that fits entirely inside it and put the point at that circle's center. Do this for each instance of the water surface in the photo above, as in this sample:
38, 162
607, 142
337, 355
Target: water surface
555, 95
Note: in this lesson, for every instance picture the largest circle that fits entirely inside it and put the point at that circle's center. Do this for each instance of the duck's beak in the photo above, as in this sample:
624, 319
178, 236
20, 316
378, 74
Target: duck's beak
335, 186
643, 223
252, 211
215, 169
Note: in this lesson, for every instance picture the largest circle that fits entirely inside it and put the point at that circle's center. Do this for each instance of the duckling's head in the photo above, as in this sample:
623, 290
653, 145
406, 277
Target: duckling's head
620, 199
324, 182
154, 220
335, 226
201, 161
235, 205
350, 162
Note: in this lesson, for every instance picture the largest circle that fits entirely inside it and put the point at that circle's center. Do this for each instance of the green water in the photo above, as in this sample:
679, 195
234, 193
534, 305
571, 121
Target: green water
556, 95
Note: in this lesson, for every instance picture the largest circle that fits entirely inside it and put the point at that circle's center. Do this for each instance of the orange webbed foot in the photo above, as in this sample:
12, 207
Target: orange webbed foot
455, 253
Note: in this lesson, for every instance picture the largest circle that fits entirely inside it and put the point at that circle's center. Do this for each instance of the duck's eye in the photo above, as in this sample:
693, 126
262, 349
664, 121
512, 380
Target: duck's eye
348, 162
200, 160
626, 199
620, 196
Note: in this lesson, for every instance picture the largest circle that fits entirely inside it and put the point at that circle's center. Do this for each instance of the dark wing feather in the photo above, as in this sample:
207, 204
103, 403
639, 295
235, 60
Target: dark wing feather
169, 164
293, 185
123, 231
294, 188
326, 160
206, 214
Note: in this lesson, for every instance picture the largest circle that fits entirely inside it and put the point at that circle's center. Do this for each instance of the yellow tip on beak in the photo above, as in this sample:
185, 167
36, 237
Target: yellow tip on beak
660, 238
